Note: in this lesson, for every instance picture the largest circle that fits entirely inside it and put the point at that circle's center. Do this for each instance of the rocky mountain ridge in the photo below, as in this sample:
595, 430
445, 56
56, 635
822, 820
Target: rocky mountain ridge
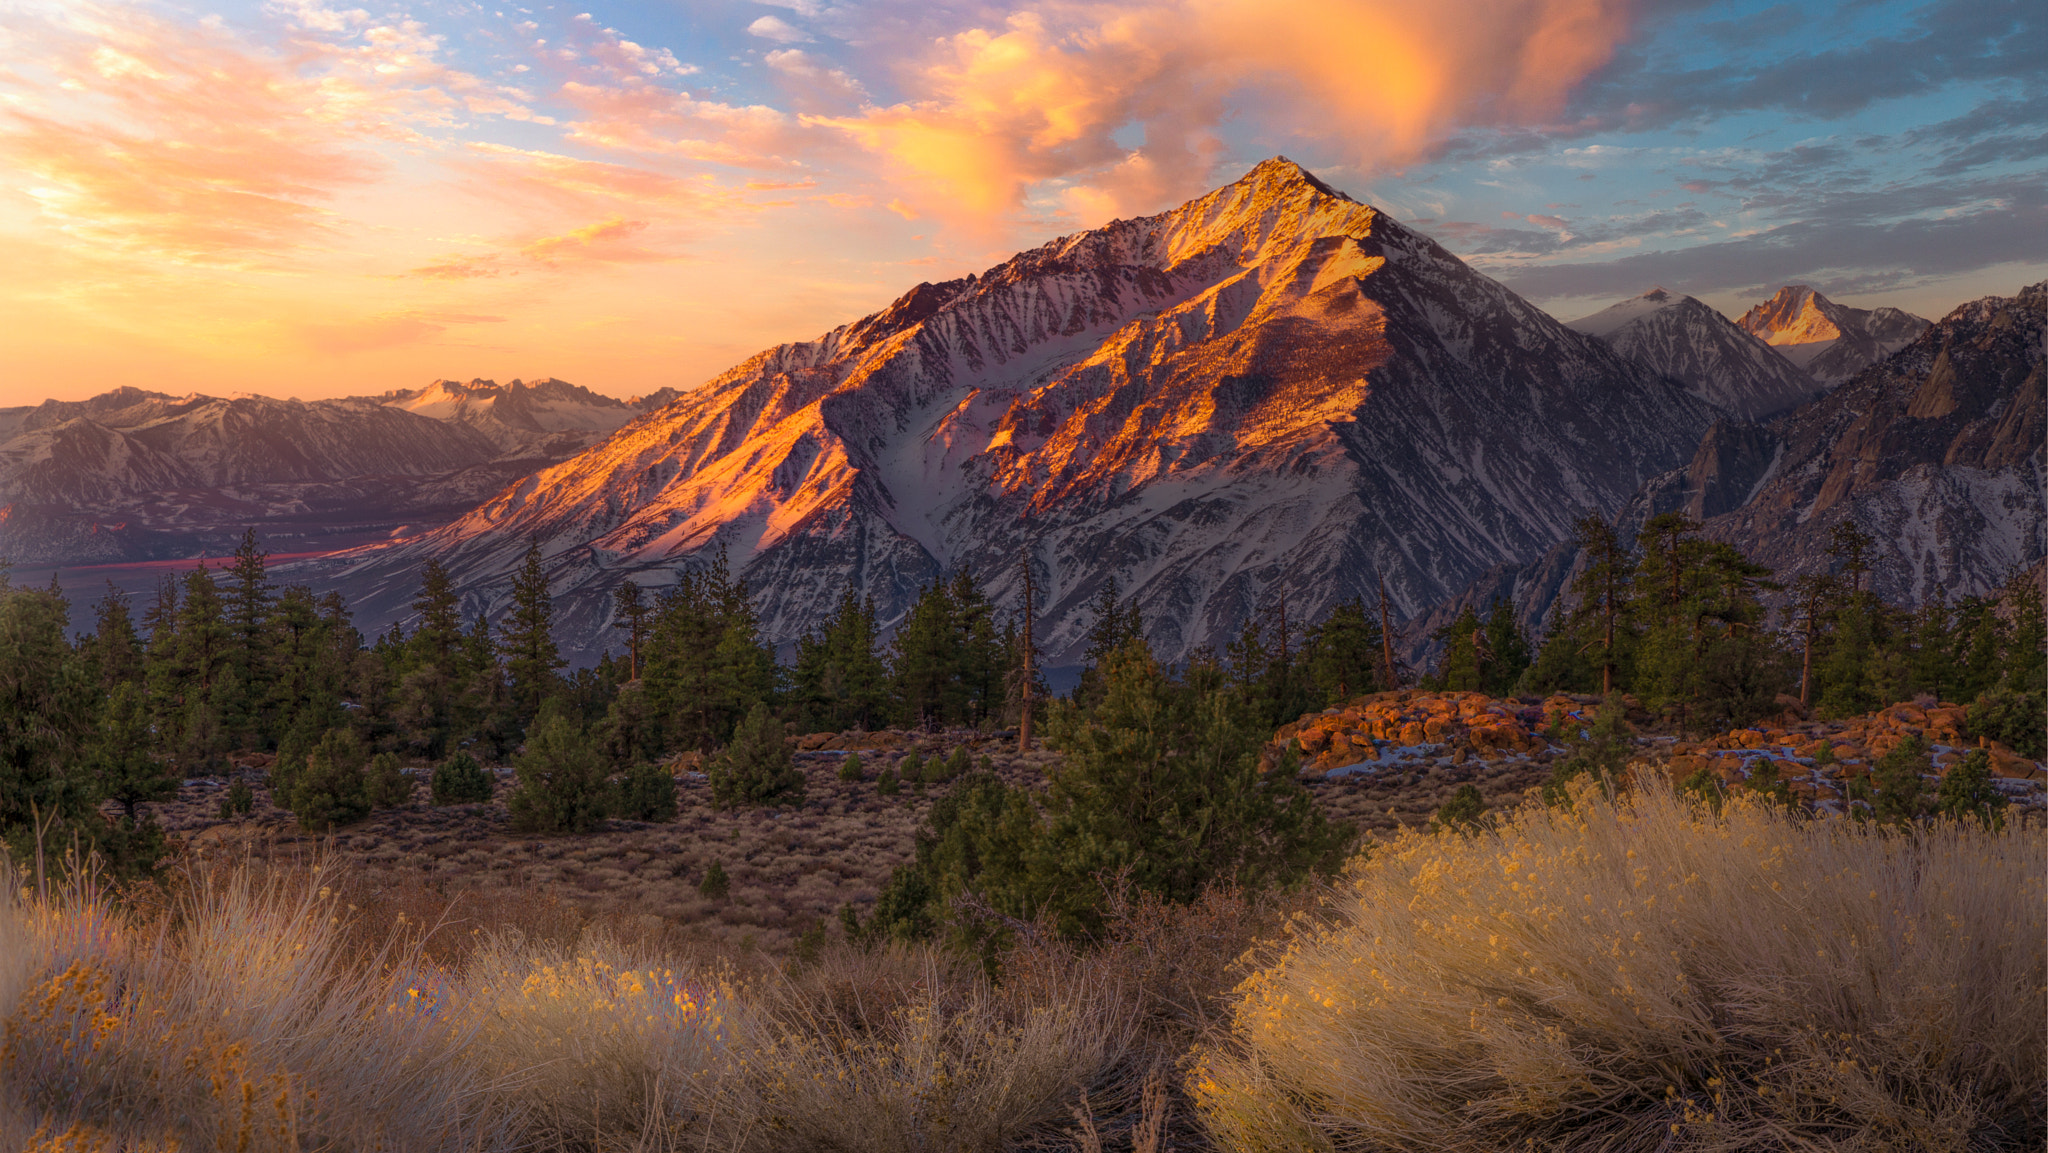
1273, 392
1831, 342
1719, 361
1937, 452
135, 475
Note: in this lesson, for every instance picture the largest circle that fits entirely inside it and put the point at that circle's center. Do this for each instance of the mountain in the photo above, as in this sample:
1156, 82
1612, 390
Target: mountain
1937, 452
1687, 340
135, 475
550, 418
1270, 393
1832, 342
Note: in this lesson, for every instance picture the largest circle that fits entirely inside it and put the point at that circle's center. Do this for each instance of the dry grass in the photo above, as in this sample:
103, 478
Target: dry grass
246, 1014
1641, 975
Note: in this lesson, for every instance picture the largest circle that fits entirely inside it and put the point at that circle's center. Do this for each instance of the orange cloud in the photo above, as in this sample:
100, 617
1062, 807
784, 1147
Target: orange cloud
178, 144
385, 330
995, 112
607, 241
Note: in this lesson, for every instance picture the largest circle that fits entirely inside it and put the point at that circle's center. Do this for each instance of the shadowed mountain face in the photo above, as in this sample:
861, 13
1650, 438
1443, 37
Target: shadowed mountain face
1271, 392
1937, 452
1831, 342
1718, 361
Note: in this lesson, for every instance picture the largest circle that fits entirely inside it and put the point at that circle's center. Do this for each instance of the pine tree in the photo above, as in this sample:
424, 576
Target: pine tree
1116, 625
385, 784
757, 769
114, 649
1342, 653
630, 612
561, 778
459, 780
332, 789
646, 792
1506, 651
247, 612
1464, 641
205, 647
925, 661
528, 639
46, 715
1602, 592
119, 757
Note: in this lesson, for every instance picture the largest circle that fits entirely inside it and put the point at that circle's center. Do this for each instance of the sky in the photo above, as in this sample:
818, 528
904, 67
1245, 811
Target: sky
298, 199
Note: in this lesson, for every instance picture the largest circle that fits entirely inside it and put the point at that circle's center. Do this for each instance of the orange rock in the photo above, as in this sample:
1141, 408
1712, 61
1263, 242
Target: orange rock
1413, 733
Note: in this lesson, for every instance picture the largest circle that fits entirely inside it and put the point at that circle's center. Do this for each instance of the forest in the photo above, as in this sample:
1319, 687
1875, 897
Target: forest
93, 727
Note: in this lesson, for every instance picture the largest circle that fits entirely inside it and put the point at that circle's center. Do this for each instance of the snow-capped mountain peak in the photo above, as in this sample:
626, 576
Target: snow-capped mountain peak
1692, 342
1831, 341
1265, 393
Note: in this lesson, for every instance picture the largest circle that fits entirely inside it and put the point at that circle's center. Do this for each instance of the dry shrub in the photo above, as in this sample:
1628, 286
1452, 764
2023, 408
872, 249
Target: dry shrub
596, 1047
236, 1025
1641, 974
911, 1049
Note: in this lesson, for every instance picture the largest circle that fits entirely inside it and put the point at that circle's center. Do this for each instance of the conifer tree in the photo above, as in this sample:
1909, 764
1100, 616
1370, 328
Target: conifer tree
561, 778
247, 608
332, 789
631, 611
205, 649
527, 637
385, 784
1602, 592
114, 649
1342, 653
1116, 625
756, 769
119, 756
46, 715
1464, 641
459, 780
1506, 650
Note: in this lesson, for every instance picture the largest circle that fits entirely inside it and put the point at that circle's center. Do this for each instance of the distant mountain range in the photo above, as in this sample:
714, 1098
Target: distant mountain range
1718, 361
1936, 451
132, 475
1272, 394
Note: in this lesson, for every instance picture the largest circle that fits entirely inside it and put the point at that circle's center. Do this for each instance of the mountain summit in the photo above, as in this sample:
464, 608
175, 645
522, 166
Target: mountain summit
1832, 342
1692, 342
1265, 396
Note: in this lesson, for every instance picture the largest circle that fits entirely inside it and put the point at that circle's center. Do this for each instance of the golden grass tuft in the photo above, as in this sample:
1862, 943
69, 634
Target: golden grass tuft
1643, 974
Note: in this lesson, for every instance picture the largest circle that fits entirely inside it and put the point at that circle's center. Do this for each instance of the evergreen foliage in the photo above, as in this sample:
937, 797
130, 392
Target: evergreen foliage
528, 639
840, 680
385, 784
1600, 750
1896, 792
887, 783
460, 780
562, 786
1160, 786
756, 769
850, 768
1966, 791
1465, 812
715, 885
645, 792
332, 789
